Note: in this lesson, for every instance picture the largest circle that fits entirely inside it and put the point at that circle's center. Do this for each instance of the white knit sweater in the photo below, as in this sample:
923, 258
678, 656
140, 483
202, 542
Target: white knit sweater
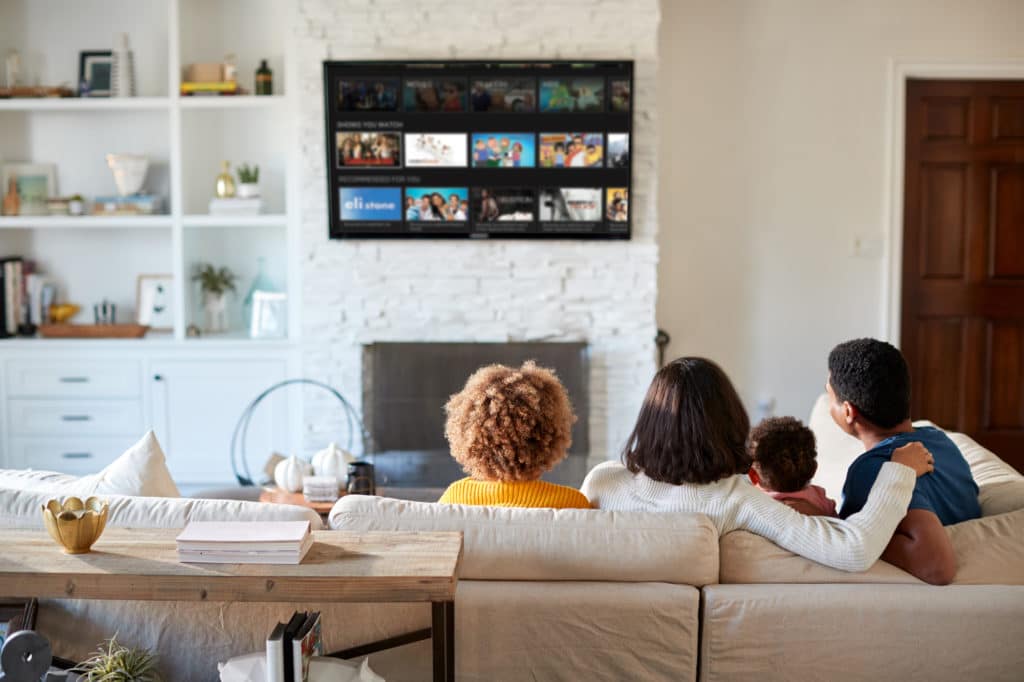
733, 503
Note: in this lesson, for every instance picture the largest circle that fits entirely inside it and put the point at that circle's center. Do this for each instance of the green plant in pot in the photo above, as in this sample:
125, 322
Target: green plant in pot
214, 284
248, 181
113, 662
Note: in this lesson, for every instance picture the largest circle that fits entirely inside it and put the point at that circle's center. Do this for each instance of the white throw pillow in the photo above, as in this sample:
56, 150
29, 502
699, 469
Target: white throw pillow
141, 471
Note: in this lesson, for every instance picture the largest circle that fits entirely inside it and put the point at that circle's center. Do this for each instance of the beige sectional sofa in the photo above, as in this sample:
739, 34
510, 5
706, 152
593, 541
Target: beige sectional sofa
598, 595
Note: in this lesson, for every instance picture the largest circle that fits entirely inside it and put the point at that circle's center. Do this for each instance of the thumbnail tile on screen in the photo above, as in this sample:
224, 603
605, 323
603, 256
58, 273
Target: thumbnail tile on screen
617, 203
503, 204
435, 94
435, 150
503, 94
619, 94
371, 203
618, 150
570, 204
368, 94
571, 150
436, 204
583, 94
503, 150
369, 150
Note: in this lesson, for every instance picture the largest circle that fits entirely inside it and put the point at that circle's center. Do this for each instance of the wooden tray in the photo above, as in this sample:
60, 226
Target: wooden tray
93, 331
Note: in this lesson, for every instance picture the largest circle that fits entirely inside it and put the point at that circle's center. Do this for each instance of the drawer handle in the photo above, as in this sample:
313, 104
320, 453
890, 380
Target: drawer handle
76, 418
74, 380
77, 455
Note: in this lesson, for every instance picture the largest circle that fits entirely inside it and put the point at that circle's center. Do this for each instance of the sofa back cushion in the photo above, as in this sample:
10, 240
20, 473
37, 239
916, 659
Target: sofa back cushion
1000, 486
989, 551
23, 509
141, 471
553, 544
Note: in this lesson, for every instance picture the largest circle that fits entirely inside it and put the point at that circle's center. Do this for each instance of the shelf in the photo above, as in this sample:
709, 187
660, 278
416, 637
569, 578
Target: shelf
272, 220
86, 104
232, 101
84, 222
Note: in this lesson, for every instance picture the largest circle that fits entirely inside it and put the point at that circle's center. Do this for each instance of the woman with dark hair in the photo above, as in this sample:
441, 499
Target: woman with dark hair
438, 207
688, 453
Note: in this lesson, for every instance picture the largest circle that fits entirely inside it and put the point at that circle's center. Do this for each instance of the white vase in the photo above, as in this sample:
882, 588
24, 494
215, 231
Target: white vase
247, 190
215, 311
129, 172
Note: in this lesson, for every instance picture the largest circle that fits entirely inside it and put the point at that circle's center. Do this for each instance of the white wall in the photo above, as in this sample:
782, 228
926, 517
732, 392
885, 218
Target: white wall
773, 137
357, 292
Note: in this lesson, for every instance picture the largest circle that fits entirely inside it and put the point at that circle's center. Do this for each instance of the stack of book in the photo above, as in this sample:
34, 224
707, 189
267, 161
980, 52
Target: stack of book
244, 542
12, 296
214, 88
236, 206
291, 645
135, 204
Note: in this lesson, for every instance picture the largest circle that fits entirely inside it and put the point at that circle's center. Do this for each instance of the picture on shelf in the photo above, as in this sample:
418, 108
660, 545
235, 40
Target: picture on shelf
370, 203
617, 203
95, 73
369, 150
368, 94
503, 150
503, 94
584, 94
570, 204
435, 150
435, 94
154, 300
436, 204
618, 95
33, 185
503, 204
618, 150
571, 150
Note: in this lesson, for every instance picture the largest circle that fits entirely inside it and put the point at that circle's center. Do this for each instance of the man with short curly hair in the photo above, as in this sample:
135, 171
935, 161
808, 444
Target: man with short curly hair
506, 428
869, 398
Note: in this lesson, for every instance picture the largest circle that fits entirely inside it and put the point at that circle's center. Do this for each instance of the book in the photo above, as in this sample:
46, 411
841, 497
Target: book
12, 295
135, 204
293, 626
236, 207
244, 542
306, 643
275, 654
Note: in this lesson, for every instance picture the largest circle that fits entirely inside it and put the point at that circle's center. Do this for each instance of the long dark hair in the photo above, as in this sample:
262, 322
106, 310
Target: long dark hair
692, 427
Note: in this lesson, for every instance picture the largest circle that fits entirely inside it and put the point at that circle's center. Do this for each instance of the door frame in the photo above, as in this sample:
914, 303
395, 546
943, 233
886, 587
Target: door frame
899, 72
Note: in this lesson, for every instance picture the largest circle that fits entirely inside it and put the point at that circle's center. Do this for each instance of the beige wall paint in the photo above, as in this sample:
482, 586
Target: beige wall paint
773, 159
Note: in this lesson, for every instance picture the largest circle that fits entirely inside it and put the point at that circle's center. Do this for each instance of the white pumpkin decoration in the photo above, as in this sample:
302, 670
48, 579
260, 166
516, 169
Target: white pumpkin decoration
332, 461
288, 474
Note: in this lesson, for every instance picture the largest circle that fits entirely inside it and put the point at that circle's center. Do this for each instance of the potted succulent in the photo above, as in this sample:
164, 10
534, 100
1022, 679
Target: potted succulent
117, 663
214, 284
248, 181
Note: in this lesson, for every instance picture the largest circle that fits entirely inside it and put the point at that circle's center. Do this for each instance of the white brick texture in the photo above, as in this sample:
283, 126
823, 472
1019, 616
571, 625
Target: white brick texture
357, 292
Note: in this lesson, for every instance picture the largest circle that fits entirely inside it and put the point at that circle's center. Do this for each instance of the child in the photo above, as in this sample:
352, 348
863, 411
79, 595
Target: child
506, 428
783, 454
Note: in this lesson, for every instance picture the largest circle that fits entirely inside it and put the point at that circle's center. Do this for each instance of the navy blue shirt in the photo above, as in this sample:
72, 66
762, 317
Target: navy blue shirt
949, 491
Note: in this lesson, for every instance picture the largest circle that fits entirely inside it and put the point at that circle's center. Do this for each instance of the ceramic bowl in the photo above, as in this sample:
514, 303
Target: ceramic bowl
75, 524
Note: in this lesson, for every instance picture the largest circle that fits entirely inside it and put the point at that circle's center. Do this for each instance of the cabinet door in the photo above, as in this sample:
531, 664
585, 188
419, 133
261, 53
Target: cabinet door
196, 404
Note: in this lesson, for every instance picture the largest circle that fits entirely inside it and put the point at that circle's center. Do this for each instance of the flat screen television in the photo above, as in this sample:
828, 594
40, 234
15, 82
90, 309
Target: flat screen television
474, 149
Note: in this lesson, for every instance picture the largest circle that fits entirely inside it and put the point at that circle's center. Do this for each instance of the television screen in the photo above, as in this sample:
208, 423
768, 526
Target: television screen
479, 149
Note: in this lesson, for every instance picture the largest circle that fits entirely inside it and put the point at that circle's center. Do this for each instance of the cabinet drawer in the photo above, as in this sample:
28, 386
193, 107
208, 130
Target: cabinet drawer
73, 379
75, 417
77, 456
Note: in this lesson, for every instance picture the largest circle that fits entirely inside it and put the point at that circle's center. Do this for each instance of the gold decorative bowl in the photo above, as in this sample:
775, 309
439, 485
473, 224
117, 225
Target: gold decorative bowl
76, 525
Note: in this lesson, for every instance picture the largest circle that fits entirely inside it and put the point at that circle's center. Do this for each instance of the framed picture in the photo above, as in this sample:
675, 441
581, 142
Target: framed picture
15, 615
34, 183
155, 302
94, 73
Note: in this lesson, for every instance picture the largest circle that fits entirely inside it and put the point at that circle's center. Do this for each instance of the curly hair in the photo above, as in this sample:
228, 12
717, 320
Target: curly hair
873, 376
510, 424
784, 454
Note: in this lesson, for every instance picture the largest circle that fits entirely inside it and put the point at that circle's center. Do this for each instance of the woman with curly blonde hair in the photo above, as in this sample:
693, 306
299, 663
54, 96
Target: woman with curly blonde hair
506, 428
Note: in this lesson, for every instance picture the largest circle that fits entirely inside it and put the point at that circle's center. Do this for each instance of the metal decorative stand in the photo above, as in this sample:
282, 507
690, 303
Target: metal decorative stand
26, 657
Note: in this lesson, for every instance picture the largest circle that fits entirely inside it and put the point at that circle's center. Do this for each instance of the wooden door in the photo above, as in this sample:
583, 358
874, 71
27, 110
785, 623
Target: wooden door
963, 259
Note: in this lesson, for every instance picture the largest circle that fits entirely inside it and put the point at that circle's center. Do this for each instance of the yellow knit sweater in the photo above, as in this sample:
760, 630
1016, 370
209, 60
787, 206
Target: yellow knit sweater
514, 494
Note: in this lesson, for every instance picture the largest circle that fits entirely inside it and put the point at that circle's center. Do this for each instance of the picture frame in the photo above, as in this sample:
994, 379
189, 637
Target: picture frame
15, 615
35, 182
154, 302
95, 73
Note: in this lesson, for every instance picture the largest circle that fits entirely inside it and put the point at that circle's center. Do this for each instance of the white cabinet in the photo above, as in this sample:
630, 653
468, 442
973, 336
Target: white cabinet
196, 404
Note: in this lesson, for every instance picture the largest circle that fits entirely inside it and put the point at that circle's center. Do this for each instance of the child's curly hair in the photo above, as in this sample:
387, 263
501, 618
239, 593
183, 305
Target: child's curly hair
510, 424
784, 453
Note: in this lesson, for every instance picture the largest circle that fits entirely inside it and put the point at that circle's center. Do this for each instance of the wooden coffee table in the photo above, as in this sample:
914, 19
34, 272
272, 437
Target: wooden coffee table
130, 564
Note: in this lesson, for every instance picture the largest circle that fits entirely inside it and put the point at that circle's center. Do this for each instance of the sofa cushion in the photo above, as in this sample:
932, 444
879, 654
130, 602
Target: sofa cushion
989, 551
553, 544
140, 471
23, 509
1000, 486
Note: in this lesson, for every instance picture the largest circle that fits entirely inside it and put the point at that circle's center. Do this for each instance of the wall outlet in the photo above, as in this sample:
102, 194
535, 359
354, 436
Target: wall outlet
864, 246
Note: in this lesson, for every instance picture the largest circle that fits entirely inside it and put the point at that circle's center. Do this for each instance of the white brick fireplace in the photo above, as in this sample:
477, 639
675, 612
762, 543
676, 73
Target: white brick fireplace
357, 292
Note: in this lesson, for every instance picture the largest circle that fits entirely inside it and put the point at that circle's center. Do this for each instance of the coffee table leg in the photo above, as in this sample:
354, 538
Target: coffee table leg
443, 637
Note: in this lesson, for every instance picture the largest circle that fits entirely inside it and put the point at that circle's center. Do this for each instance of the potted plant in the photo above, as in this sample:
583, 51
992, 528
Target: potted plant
117, 663
214, 283
248, 181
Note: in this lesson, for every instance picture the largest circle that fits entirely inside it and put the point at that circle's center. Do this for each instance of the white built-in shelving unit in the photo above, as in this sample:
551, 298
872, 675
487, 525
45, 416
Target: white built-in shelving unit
185, 138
